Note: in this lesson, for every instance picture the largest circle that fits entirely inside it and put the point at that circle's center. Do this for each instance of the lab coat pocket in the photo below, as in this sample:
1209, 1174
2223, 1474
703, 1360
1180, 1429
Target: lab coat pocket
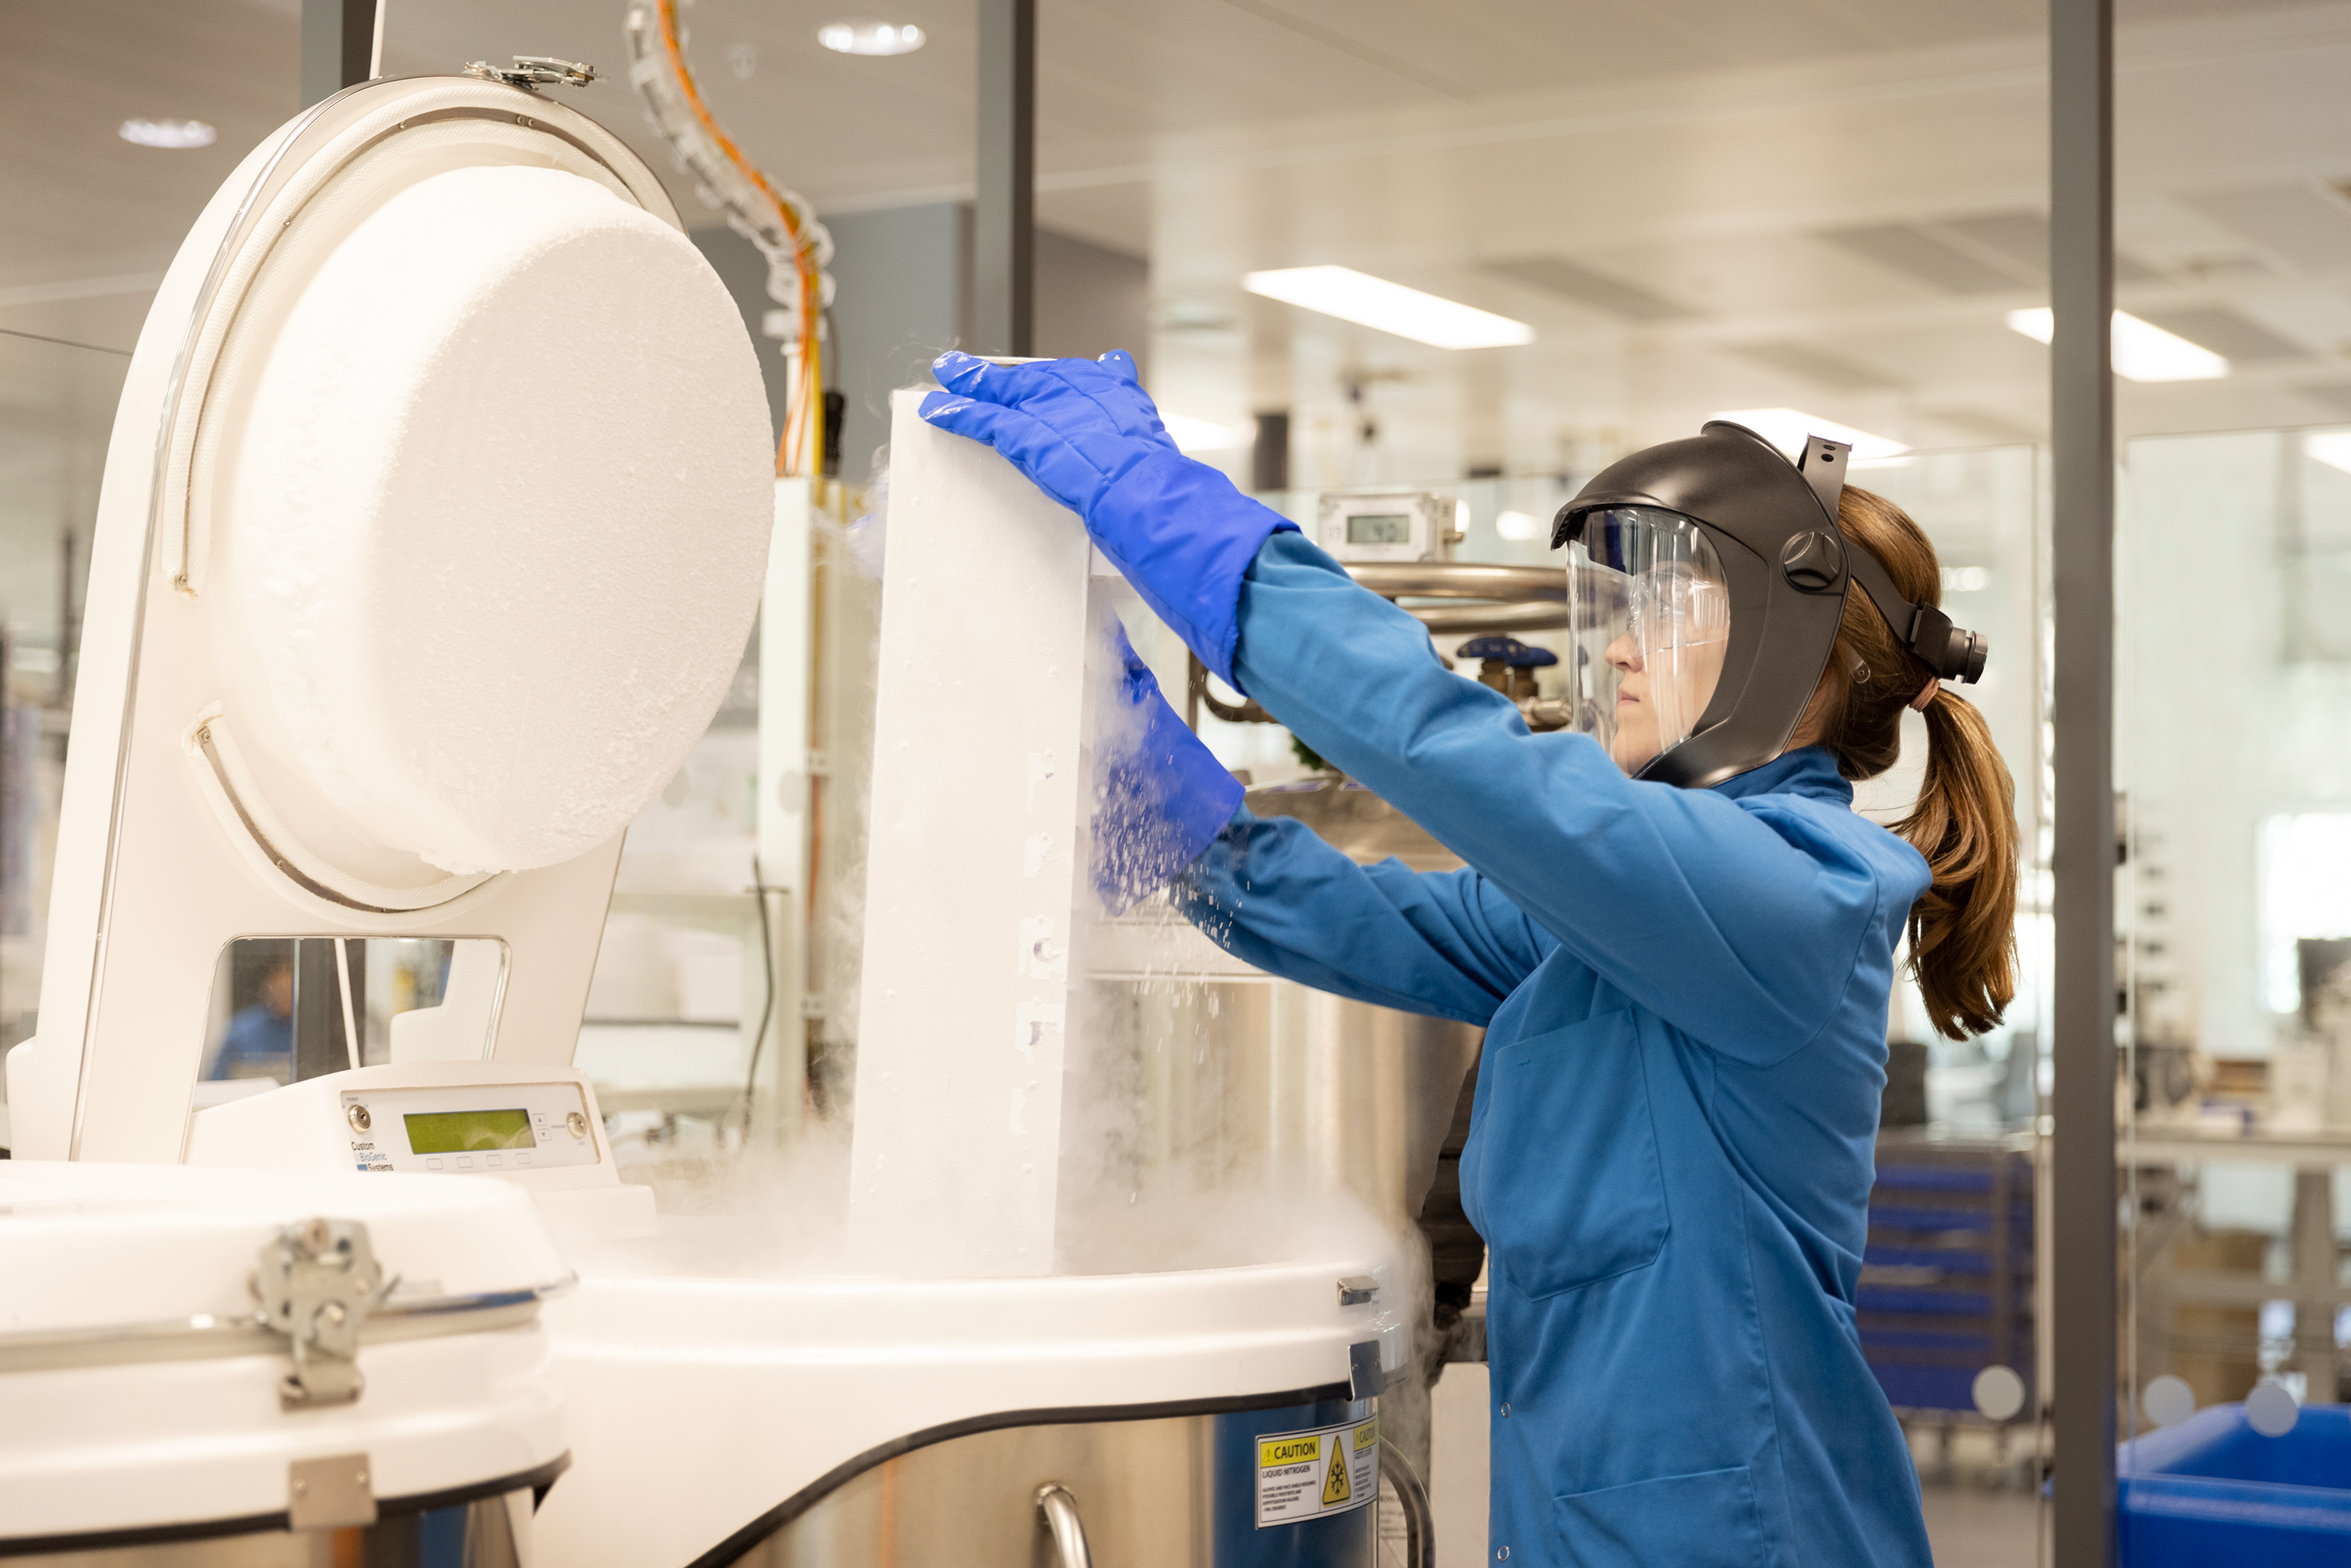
1571, 1189
1705, 1521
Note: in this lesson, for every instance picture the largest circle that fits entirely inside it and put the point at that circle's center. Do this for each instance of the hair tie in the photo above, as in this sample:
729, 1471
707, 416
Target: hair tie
1926, 694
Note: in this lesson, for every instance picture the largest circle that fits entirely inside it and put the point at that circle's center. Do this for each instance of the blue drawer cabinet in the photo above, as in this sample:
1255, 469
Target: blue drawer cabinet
1947, 1282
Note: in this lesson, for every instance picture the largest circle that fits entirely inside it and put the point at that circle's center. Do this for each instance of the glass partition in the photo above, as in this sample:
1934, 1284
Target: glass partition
288, 1008
2234, 759
57, 405
2233, 771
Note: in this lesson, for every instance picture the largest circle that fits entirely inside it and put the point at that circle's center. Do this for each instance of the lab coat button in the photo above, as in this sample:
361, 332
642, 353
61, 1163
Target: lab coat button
1506, 1409
1502, 1555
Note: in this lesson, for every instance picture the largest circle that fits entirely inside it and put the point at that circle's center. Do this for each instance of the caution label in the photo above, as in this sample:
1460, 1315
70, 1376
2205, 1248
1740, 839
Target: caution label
1307, 1475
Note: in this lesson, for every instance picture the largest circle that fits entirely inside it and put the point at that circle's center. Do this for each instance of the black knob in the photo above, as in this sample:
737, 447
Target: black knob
1812, 562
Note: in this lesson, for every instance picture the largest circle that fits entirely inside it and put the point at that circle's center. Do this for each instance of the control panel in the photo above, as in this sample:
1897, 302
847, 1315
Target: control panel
475, 1129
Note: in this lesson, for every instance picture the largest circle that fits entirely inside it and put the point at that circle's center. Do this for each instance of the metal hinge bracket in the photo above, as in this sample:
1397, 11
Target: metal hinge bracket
335, 1492
530, 72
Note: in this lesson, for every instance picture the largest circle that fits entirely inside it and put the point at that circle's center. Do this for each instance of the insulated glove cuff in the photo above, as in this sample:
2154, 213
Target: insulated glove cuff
1165, 796
1180, 532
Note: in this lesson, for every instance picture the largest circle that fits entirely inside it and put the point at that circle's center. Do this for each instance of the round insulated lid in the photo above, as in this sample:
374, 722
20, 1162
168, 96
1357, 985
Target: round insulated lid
92, 1249
148, 1398
477, 489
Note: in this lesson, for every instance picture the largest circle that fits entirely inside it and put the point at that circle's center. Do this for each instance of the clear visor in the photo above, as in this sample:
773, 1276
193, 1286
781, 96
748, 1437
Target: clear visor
1649, 619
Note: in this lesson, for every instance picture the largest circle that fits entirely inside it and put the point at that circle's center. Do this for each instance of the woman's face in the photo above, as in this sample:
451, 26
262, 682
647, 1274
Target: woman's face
1647, 594
1660, 696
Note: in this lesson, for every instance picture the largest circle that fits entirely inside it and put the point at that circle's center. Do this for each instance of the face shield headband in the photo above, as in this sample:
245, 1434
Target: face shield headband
1706, 579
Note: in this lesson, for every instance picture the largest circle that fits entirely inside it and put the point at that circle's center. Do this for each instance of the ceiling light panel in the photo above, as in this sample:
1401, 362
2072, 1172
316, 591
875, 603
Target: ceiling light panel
2140, 351
1803, 360
1910, 250
178, 134
2020, 238
1369, 301
863, 36
1981, 425
1786, 429
2234, 337
1556, 275
2292, 222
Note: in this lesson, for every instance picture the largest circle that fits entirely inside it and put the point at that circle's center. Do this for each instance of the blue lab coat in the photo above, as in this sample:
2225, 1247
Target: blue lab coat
1670, 1157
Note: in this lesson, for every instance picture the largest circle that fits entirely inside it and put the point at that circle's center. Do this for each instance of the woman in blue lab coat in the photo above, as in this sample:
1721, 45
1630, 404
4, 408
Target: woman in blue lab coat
1679, 936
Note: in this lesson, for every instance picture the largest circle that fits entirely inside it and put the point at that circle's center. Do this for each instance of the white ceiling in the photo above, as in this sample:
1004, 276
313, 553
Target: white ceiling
1699, 204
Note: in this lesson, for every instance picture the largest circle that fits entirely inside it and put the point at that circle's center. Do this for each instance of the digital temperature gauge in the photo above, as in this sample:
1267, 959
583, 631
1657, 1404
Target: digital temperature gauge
468, 1131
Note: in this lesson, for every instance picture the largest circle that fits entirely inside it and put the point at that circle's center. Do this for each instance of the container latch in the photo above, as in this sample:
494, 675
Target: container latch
316, 1283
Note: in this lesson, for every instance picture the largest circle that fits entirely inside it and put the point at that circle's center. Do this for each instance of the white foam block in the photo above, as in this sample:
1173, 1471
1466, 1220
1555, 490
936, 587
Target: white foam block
500, 514
974, 884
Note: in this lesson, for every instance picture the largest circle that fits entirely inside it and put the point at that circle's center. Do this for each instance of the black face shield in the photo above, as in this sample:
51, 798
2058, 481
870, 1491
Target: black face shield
1706, 579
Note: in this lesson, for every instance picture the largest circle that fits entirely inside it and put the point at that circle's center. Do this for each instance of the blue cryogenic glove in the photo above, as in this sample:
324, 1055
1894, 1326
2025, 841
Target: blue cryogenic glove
1086, 433
1165, 796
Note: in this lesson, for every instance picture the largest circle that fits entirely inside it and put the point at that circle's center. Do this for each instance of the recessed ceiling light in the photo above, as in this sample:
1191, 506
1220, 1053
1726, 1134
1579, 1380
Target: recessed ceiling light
1786, 428
167, 132
2141, 351
1198, 434
1369, 301
859, 35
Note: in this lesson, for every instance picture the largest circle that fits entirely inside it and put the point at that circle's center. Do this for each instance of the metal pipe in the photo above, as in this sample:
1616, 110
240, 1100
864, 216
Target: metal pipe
1462, 580
1056, 1510
1444, 619
1419, 1521
2081, 442
342, 40
1197, 696
1508, 598
1004, 228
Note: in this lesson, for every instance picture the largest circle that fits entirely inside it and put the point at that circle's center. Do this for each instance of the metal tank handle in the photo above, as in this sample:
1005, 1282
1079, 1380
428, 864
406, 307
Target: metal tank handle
1419, 1522
1058, 1510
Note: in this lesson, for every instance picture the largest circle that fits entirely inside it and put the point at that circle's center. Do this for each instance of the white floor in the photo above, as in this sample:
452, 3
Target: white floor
1456, 1482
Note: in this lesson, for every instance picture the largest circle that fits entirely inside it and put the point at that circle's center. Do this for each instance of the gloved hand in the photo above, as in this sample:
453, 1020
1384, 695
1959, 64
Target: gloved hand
1165, 797
1088, 436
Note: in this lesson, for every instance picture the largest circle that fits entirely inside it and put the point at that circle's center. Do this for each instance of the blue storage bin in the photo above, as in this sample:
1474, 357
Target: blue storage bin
2213, 1490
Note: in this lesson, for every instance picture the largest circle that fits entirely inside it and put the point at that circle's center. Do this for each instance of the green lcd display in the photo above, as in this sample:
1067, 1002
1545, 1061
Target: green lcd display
1379, 529
462, 1132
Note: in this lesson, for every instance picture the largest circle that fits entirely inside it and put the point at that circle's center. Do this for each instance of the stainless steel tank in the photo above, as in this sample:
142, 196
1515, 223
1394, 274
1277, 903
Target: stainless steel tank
476, 1534
1215, 1078
1171, 1491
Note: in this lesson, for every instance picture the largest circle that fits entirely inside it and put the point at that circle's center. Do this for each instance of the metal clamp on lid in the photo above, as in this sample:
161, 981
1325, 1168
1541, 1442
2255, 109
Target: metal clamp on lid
530, 72
316, 1283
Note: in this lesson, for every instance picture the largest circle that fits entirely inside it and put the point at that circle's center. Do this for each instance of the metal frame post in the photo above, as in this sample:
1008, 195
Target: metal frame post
1004, 217
342, 44
2082, 441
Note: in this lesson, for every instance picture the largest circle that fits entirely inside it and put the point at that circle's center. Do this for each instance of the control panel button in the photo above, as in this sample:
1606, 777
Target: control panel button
578, 1124
359, 1119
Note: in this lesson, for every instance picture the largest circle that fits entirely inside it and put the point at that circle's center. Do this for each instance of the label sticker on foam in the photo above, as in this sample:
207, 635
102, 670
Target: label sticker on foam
1313, 1474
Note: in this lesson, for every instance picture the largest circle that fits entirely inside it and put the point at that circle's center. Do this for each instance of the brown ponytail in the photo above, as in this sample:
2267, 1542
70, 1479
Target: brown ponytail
1963, 932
